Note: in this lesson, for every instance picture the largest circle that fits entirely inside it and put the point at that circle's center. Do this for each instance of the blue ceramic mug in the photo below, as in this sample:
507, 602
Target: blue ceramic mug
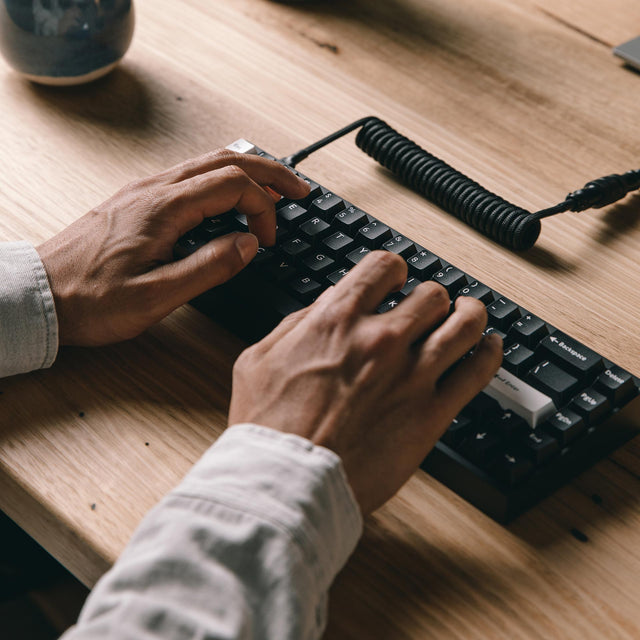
64, 42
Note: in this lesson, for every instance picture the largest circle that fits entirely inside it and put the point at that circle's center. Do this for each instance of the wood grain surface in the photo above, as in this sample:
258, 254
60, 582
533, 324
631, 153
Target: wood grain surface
522, 95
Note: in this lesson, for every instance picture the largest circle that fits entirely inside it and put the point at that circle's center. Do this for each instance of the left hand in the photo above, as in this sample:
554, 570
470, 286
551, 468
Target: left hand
112, 272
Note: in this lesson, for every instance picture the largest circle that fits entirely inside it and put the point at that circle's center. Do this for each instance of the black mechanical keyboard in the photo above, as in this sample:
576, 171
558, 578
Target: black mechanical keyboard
554, 408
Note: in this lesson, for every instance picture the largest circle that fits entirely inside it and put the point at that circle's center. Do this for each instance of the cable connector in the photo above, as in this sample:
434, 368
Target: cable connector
603, 191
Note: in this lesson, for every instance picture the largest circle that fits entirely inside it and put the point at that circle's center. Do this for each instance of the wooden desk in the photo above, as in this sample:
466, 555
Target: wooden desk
523, 95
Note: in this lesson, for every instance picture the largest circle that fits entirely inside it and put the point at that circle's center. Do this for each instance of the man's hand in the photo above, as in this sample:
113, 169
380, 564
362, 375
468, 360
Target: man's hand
112, 272
376, 389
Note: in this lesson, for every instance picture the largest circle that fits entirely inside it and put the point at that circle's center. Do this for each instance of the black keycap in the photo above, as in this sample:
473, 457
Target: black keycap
400, 245
337, 244
423, 264
327, 205
314, 229
373, 234
351, 219
409, 286
528, 330
553, 382
571, 355
263, 258
241, 222
188, 244
336, 276
305, 288
279, 270
617, 384
478, 291
292, 214
510, 425
457, 431
503, 313
539, 446
282, 233
319, 263
482, 407
518, 359
390, 303
490, 330
482, 447
565, 426
451, 278
315, 191
215, 227
295, 247
513, 466
591, 405
281, 303
353, 257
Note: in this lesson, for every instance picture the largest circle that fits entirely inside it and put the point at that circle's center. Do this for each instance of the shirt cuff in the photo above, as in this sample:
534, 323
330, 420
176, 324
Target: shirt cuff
28, 321
287, 480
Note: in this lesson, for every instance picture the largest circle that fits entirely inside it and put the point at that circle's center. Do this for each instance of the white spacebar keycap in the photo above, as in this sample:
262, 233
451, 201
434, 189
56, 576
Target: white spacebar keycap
242, 146
512, 393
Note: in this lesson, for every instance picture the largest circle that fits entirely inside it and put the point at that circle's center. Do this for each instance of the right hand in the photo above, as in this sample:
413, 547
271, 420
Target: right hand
376, 389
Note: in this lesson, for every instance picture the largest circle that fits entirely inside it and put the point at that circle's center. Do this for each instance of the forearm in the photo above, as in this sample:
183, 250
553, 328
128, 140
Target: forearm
28, 322
246, 547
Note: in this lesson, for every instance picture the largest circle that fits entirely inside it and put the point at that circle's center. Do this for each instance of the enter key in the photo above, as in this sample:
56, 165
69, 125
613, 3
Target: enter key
515, 394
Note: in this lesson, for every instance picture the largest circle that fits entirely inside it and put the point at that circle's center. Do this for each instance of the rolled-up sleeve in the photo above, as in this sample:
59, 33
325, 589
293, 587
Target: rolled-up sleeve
28, 322
245, 547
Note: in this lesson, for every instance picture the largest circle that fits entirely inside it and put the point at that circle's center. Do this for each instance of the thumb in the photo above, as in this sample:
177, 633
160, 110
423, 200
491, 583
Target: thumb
211, 265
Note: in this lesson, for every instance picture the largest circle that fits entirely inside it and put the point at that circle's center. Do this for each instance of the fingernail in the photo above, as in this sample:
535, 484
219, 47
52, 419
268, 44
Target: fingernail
247, 246
275, 196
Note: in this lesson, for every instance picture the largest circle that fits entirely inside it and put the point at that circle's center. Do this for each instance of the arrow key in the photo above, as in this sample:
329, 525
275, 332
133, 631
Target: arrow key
482, 447
512, 466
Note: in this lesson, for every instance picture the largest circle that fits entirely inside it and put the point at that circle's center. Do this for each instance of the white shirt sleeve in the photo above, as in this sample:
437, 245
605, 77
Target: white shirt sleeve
245, 547
28, 321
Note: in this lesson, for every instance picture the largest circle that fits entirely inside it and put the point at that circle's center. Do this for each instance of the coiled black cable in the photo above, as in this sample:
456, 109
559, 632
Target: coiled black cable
451, 190
509, 225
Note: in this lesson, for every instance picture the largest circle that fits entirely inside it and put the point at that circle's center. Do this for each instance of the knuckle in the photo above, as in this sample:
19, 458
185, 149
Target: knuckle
176, 195
224, 157
328, 317
382, 338
141, 184
235, 173
244, 361
437, 294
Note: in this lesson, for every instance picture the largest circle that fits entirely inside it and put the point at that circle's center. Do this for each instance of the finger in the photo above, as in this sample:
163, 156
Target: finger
213, 193
286, 325
292, 321
471, 376
174, 284
261, 170
368, 283
426, 306
454, 338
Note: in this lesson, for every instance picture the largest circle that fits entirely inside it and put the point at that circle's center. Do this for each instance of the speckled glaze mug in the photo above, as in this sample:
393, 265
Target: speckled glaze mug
65, 42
